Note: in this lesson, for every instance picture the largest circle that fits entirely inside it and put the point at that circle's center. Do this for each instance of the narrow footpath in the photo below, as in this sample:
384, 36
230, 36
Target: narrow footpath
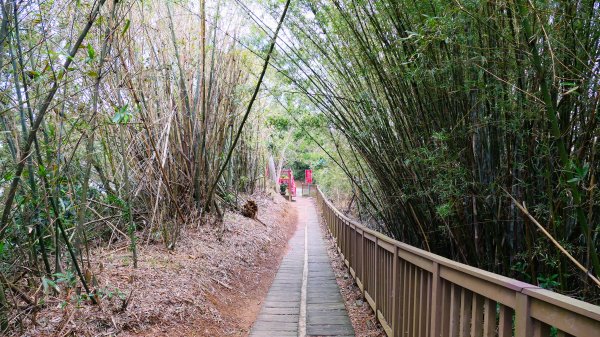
304, 299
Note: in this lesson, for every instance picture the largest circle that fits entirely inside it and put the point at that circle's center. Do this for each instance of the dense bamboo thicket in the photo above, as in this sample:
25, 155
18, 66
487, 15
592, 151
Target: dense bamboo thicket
117, 118
458, 125
454, 106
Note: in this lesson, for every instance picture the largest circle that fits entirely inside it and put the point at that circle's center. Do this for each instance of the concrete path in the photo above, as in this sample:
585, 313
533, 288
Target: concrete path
304, 299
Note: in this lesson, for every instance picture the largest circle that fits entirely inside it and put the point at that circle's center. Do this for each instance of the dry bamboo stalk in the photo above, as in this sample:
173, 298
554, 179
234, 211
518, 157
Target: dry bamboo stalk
553, 240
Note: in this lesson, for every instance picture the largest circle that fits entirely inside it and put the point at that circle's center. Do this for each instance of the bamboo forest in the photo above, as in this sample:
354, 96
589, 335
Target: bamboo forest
300, 168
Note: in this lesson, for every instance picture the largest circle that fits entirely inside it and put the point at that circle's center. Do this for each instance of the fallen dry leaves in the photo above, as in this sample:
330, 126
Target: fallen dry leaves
211, 285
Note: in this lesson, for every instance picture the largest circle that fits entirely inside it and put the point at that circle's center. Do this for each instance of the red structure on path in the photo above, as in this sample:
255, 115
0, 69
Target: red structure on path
308, 177
287, 177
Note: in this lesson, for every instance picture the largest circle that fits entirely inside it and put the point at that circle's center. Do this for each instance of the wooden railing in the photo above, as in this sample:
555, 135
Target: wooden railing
309, 190
417, 293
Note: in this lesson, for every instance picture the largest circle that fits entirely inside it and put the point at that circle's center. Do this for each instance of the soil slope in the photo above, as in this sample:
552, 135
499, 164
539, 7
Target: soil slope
211, 285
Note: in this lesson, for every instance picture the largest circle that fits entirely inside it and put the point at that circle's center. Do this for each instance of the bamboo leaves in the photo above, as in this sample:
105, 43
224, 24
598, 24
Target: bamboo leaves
91, 53
122, 115
446, 102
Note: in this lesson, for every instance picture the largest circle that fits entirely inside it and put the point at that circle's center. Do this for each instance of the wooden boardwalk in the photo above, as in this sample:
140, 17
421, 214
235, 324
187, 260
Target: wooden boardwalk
304, 299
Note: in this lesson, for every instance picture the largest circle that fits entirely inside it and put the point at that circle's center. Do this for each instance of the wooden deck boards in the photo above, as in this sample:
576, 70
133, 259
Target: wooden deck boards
326, 313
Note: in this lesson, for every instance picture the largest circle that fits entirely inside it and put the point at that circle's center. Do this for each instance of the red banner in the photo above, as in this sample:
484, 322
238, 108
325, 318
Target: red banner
308, 176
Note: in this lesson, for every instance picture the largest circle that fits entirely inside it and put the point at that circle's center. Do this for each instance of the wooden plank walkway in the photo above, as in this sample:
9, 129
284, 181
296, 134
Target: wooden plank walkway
304, 299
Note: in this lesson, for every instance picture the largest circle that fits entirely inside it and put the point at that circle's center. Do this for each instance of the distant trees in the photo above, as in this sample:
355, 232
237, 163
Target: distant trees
451, 103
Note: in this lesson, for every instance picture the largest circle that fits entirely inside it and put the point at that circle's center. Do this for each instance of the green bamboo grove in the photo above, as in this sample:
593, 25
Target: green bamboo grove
455, 106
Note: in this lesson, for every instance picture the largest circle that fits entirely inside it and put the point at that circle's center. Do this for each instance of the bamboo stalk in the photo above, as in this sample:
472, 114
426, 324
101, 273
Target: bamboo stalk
553, 240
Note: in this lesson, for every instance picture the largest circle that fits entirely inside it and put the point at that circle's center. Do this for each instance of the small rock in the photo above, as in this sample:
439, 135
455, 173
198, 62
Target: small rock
346, 276
359, 303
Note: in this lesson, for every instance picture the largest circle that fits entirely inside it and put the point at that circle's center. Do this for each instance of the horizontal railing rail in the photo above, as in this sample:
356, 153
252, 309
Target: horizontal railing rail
417, 293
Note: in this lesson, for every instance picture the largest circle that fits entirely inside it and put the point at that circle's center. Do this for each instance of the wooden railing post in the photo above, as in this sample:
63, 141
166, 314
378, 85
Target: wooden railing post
334, 226
395, 296
523, 322
331, 222
362, 259
340, 233
330, 225
375, 286
342, 237
337, 231
351, 249
347, 241
338, 221
346, 250
436, 301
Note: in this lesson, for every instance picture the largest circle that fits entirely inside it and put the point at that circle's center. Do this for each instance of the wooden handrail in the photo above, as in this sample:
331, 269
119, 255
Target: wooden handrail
419, 294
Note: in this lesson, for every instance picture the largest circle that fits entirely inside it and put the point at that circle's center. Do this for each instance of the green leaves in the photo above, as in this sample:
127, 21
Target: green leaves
126, 27
48, 284
8, 176
521, 268
279, 123
550, 282
444, 210
571, 86
67, 279
579, 173
42, 170
440, 136
122, 115
91, 53
34, 75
